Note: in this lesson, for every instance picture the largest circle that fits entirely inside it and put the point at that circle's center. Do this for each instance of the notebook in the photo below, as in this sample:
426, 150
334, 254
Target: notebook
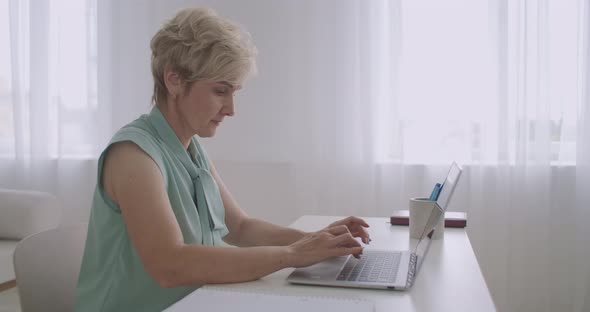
453, 219
388, 269
210, 298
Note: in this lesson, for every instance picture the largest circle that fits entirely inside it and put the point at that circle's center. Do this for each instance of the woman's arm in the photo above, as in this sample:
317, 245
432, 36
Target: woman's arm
245, 231
134, 182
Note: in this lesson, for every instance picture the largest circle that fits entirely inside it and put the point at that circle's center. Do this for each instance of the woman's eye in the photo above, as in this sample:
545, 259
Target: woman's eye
222, 91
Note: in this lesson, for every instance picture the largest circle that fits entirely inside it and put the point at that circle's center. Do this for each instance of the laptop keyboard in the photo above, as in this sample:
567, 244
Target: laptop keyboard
373, 266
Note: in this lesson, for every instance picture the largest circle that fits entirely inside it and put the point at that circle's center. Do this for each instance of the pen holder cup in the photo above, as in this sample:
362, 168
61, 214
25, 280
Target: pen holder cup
421, 210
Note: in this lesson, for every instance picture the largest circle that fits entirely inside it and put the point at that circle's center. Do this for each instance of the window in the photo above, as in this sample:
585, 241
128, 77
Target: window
48, 73
451, 82
6, 107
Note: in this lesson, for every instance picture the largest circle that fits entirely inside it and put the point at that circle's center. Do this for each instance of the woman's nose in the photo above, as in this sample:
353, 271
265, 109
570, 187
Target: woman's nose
229, 107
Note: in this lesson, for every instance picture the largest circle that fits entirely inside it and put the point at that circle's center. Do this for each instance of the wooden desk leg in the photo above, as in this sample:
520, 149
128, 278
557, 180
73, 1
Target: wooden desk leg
7, 285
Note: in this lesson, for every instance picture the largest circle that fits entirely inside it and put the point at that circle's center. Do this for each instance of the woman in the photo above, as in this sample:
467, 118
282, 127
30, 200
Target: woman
161, 213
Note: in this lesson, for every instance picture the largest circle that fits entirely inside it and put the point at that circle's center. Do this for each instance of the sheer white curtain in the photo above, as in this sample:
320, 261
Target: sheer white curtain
338, 88
526, 207
582, 213
51, 122
364, 116
308, 128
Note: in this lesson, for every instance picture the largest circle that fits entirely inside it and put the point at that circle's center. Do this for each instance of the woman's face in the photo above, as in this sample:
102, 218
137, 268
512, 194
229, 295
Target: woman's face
205, 104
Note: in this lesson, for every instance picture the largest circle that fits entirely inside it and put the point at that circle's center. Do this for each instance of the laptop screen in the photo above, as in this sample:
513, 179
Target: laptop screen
442, 202
448, 186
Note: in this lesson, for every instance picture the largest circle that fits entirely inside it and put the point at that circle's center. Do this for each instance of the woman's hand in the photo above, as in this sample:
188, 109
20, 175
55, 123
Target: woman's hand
319, 246
356, 227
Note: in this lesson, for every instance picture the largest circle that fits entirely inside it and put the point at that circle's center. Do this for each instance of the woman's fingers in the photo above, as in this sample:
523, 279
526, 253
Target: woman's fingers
362, 233
318, 246
359, 221
355, 225
351, 221
345, 251
342, 229
346, 240
337, 230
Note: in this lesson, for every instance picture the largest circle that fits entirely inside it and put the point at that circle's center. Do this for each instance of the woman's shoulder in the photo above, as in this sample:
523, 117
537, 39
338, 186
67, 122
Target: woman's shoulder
142, 133
137, 136
139, 126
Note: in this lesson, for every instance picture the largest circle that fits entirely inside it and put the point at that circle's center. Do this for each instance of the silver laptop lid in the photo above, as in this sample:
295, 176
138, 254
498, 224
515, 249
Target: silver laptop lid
441, 205
448, 186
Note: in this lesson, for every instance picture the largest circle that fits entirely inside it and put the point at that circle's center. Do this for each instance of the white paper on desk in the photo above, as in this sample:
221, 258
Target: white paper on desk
229, 300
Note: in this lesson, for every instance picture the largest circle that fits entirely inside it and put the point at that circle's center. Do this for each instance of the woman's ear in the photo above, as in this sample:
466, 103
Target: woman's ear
173, 82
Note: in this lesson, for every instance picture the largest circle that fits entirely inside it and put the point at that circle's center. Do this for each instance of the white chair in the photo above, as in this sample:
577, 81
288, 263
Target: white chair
22, 213
47, 265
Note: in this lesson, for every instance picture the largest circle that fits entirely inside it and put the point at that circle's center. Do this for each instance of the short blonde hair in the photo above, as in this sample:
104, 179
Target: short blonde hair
198, 44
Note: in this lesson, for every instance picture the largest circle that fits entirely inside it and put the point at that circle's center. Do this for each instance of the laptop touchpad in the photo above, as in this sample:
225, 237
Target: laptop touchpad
328, 269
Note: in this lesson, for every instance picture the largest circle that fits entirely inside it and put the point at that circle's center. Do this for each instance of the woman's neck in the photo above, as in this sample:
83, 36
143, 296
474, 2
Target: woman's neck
177, 123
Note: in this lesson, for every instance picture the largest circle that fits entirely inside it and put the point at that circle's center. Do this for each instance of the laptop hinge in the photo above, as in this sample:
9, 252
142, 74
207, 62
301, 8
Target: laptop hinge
411, 269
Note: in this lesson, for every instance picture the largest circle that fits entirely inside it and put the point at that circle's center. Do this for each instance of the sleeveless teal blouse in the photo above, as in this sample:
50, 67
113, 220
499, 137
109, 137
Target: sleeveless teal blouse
112, 276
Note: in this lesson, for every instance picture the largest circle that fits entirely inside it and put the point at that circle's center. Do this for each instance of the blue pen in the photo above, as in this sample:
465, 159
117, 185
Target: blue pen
435, 192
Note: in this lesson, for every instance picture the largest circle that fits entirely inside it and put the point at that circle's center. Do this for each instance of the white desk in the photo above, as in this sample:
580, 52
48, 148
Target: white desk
449, 280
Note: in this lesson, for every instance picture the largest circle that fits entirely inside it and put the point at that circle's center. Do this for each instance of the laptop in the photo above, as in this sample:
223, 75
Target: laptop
383, 269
